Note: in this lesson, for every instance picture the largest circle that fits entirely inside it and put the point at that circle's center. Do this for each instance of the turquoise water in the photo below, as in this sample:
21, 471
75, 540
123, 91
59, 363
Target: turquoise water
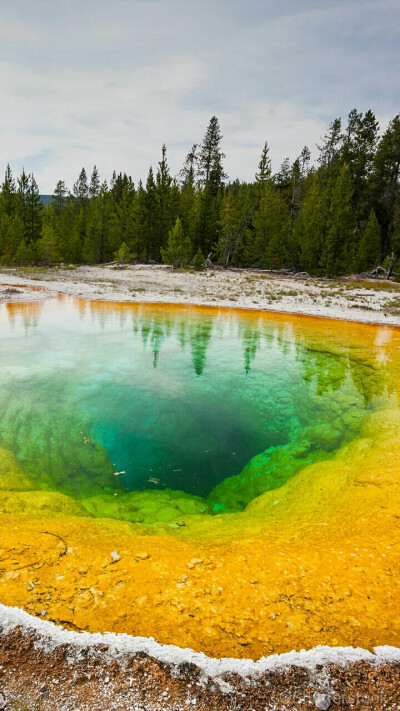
95, 400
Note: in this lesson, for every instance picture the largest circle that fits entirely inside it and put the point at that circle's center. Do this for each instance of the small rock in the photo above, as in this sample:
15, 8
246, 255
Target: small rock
322, 701
195, 561
115, 556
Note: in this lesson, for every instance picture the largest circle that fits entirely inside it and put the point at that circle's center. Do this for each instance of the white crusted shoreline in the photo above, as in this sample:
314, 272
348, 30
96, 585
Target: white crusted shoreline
344, 300
49, 637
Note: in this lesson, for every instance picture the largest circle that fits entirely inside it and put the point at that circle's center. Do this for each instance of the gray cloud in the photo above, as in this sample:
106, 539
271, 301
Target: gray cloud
95, 81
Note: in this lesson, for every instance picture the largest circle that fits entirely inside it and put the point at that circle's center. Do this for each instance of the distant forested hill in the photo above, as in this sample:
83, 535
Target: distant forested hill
45, 199
337, 216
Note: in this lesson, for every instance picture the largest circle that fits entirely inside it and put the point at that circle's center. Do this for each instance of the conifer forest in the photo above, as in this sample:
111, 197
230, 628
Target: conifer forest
337, 216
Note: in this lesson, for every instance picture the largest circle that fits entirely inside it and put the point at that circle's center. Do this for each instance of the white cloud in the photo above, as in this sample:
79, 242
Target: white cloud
107, 83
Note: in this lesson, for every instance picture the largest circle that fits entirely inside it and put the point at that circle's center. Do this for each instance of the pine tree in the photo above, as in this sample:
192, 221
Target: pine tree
48, 247
310, 227
189, 197
264, 167
271, 224
8, 227
178, 251
34, 210
163, 192
212, 176
123, 254
71, 228
296, 181
120, 224
369, 247
305, 158
210, 168
22, 198
384, 182
199, 261
359, 146
282, 178
330, 148
150, 218
59, 197
338, 249
188, 172
94, 187
81, 190
138, 221
97, 237
229, 223
8, 192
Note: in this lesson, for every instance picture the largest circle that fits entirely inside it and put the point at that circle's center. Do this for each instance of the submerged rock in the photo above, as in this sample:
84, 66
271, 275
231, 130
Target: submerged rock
147, 507
12, 476
39, 504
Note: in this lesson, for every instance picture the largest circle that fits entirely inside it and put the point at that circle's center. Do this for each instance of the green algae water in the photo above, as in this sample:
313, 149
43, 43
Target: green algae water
150, 413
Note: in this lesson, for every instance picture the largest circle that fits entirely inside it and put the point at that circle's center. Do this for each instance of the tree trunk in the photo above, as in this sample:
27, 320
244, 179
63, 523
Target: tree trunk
393, 259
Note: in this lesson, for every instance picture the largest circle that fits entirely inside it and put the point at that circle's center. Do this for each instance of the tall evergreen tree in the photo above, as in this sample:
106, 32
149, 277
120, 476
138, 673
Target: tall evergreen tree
178, 250
385, 182
330, 147
34, 212
163, 191
94, 187
138, 220
311, 224
359, 146
212, 176
150, 219
59, 197
337, 253
264, 167
188, 172
81, 190
369, 247
8, 192
97, 246
22, 203
271, 223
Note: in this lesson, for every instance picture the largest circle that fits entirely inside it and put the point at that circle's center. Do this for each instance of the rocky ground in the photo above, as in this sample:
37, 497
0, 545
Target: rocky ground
44, 668
348, 298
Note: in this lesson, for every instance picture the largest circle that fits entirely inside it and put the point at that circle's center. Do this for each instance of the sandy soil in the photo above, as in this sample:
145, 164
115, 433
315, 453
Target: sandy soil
348, 299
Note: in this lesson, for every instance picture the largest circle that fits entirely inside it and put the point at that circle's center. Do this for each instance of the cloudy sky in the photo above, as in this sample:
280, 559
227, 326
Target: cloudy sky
108, 81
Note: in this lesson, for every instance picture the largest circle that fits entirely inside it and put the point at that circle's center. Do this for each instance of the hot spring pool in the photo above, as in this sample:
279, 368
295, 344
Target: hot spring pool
98, 400
221, 479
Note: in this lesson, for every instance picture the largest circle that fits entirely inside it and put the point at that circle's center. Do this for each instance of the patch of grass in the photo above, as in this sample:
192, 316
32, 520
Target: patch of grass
372, 285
